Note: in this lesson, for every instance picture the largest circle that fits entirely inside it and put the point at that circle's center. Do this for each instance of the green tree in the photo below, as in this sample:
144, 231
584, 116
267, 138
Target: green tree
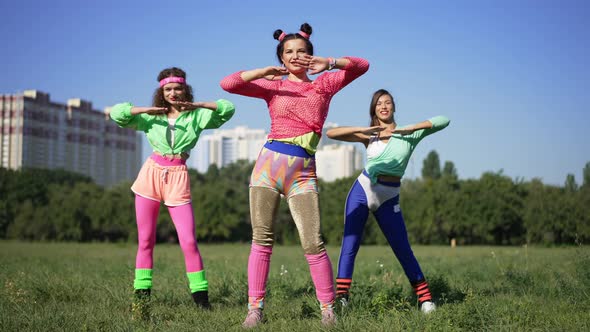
449, 170
221, 203
570, 183
431, 166
332, 201
112, 215
586, 175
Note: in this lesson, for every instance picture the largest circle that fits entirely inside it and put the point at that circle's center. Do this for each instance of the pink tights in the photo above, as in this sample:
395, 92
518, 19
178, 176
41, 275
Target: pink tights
146, 212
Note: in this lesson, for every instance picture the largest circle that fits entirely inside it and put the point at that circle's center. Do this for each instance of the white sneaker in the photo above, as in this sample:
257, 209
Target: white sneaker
342, 301
428, 307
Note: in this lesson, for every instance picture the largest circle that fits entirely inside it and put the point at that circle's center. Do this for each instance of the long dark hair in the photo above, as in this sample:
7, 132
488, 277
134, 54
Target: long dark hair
158, 99
306, 28
376, 96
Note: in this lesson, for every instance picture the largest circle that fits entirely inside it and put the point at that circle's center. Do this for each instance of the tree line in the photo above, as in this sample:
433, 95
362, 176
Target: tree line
55, 205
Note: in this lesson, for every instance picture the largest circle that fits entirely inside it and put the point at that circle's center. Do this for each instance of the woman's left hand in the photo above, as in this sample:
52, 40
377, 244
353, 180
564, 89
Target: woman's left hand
315, 64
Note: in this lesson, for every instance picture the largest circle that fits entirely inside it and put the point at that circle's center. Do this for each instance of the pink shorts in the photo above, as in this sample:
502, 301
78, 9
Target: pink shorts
162, 179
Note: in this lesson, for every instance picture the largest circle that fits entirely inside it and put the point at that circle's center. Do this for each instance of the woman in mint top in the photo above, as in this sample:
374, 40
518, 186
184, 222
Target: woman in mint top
172, 126
377, 189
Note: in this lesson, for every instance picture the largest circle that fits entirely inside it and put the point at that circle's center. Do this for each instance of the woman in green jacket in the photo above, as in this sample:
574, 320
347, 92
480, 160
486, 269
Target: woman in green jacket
172, 126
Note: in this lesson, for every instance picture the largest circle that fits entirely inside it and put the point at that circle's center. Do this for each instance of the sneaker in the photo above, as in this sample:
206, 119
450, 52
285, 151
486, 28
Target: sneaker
427, 307
253, 318
201, 299
140, 307
328, 317
142, 293
342, 300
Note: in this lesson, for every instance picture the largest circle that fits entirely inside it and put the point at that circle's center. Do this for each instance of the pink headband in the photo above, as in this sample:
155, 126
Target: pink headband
303, 34
171, 79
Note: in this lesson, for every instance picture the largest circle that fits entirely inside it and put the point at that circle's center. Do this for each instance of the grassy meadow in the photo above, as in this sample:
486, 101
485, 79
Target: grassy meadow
88, 287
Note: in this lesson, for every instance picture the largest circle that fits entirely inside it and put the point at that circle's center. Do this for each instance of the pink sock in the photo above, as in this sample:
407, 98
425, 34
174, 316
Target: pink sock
184, 221
146, 215
258, 267
322, 276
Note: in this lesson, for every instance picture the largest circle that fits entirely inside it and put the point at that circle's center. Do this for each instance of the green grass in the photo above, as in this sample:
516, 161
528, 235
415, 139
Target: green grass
88, 287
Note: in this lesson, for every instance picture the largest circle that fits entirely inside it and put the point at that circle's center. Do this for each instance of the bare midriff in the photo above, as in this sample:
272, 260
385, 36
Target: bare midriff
183, 155
389, 178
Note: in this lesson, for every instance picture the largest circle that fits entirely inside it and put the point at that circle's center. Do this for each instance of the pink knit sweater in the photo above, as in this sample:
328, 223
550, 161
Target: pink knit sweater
297, 108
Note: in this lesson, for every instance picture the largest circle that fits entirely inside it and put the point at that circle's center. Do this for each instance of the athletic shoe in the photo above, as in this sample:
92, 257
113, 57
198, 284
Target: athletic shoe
253, 318
201, 299
342, 300
427, 307
328, 317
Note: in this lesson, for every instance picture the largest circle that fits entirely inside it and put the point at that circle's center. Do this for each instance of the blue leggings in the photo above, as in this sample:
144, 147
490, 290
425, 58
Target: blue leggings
382, 199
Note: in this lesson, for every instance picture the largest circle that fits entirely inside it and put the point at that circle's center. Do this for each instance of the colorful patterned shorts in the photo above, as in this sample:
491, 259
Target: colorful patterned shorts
285, 168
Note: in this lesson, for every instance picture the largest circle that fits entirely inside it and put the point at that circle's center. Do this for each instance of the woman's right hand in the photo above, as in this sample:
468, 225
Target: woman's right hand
274, 73
149, 110
271, 73
353, 134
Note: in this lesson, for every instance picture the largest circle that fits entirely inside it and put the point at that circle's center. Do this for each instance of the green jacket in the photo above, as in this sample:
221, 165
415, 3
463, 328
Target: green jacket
394, 159
188, 126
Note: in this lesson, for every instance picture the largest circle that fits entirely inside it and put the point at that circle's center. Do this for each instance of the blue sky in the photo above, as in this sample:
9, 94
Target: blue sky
512, 76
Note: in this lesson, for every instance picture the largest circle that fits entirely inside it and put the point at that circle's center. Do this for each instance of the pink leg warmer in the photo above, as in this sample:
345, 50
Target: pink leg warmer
322, 276
258, 267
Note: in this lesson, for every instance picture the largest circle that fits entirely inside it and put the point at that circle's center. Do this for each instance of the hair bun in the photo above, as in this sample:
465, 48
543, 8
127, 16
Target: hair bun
277, 34
305, 27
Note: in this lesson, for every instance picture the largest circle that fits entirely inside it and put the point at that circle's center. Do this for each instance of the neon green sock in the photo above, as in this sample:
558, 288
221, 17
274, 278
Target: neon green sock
197, 281
143, 279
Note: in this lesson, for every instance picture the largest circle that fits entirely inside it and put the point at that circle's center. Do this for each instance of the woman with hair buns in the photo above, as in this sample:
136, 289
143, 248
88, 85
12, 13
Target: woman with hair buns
298, 107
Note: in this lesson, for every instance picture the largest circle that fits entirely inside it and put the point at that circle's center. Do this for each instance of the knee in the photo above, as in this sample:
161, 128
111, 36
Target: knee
262, 235
188, 244
145, 245
313, 246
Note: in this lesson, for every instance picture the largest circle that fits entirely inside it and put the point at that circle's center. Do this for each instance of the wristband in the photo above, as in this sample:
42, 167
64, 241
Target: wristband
331, 63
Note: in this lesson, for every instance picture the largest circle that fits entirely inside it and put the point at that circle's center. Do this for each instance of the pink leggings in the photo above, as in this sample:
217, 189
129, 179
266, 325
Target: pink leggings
146, 212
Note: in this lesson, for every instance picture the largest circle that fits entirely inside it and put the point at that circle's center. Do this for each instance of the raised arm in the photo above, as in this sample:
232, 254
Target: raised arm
353, 134
128, 116
350, 69
214, 114
269, 73
255, 83
424, 128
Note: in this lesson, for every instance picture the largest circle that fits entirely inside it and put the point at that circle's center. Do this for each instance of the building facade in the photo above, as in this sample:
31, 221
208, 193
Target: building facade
337, 161
225, 146
36, 132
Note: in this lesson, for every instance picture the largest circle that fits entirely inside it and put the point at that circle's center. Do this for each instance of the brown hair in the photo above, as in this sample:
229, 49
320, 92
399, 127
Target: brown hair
158, 99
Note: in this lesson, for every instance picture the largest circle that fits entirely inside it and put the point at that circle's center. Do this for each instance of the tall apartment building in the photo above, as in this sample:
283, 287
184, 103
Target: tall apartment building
225, 146
337, 161
37, 132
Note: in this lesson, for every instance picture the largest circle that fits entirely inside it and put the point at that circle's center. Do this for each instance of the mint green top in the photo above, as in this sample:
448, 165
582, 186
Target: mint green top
398, 150
188, 126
